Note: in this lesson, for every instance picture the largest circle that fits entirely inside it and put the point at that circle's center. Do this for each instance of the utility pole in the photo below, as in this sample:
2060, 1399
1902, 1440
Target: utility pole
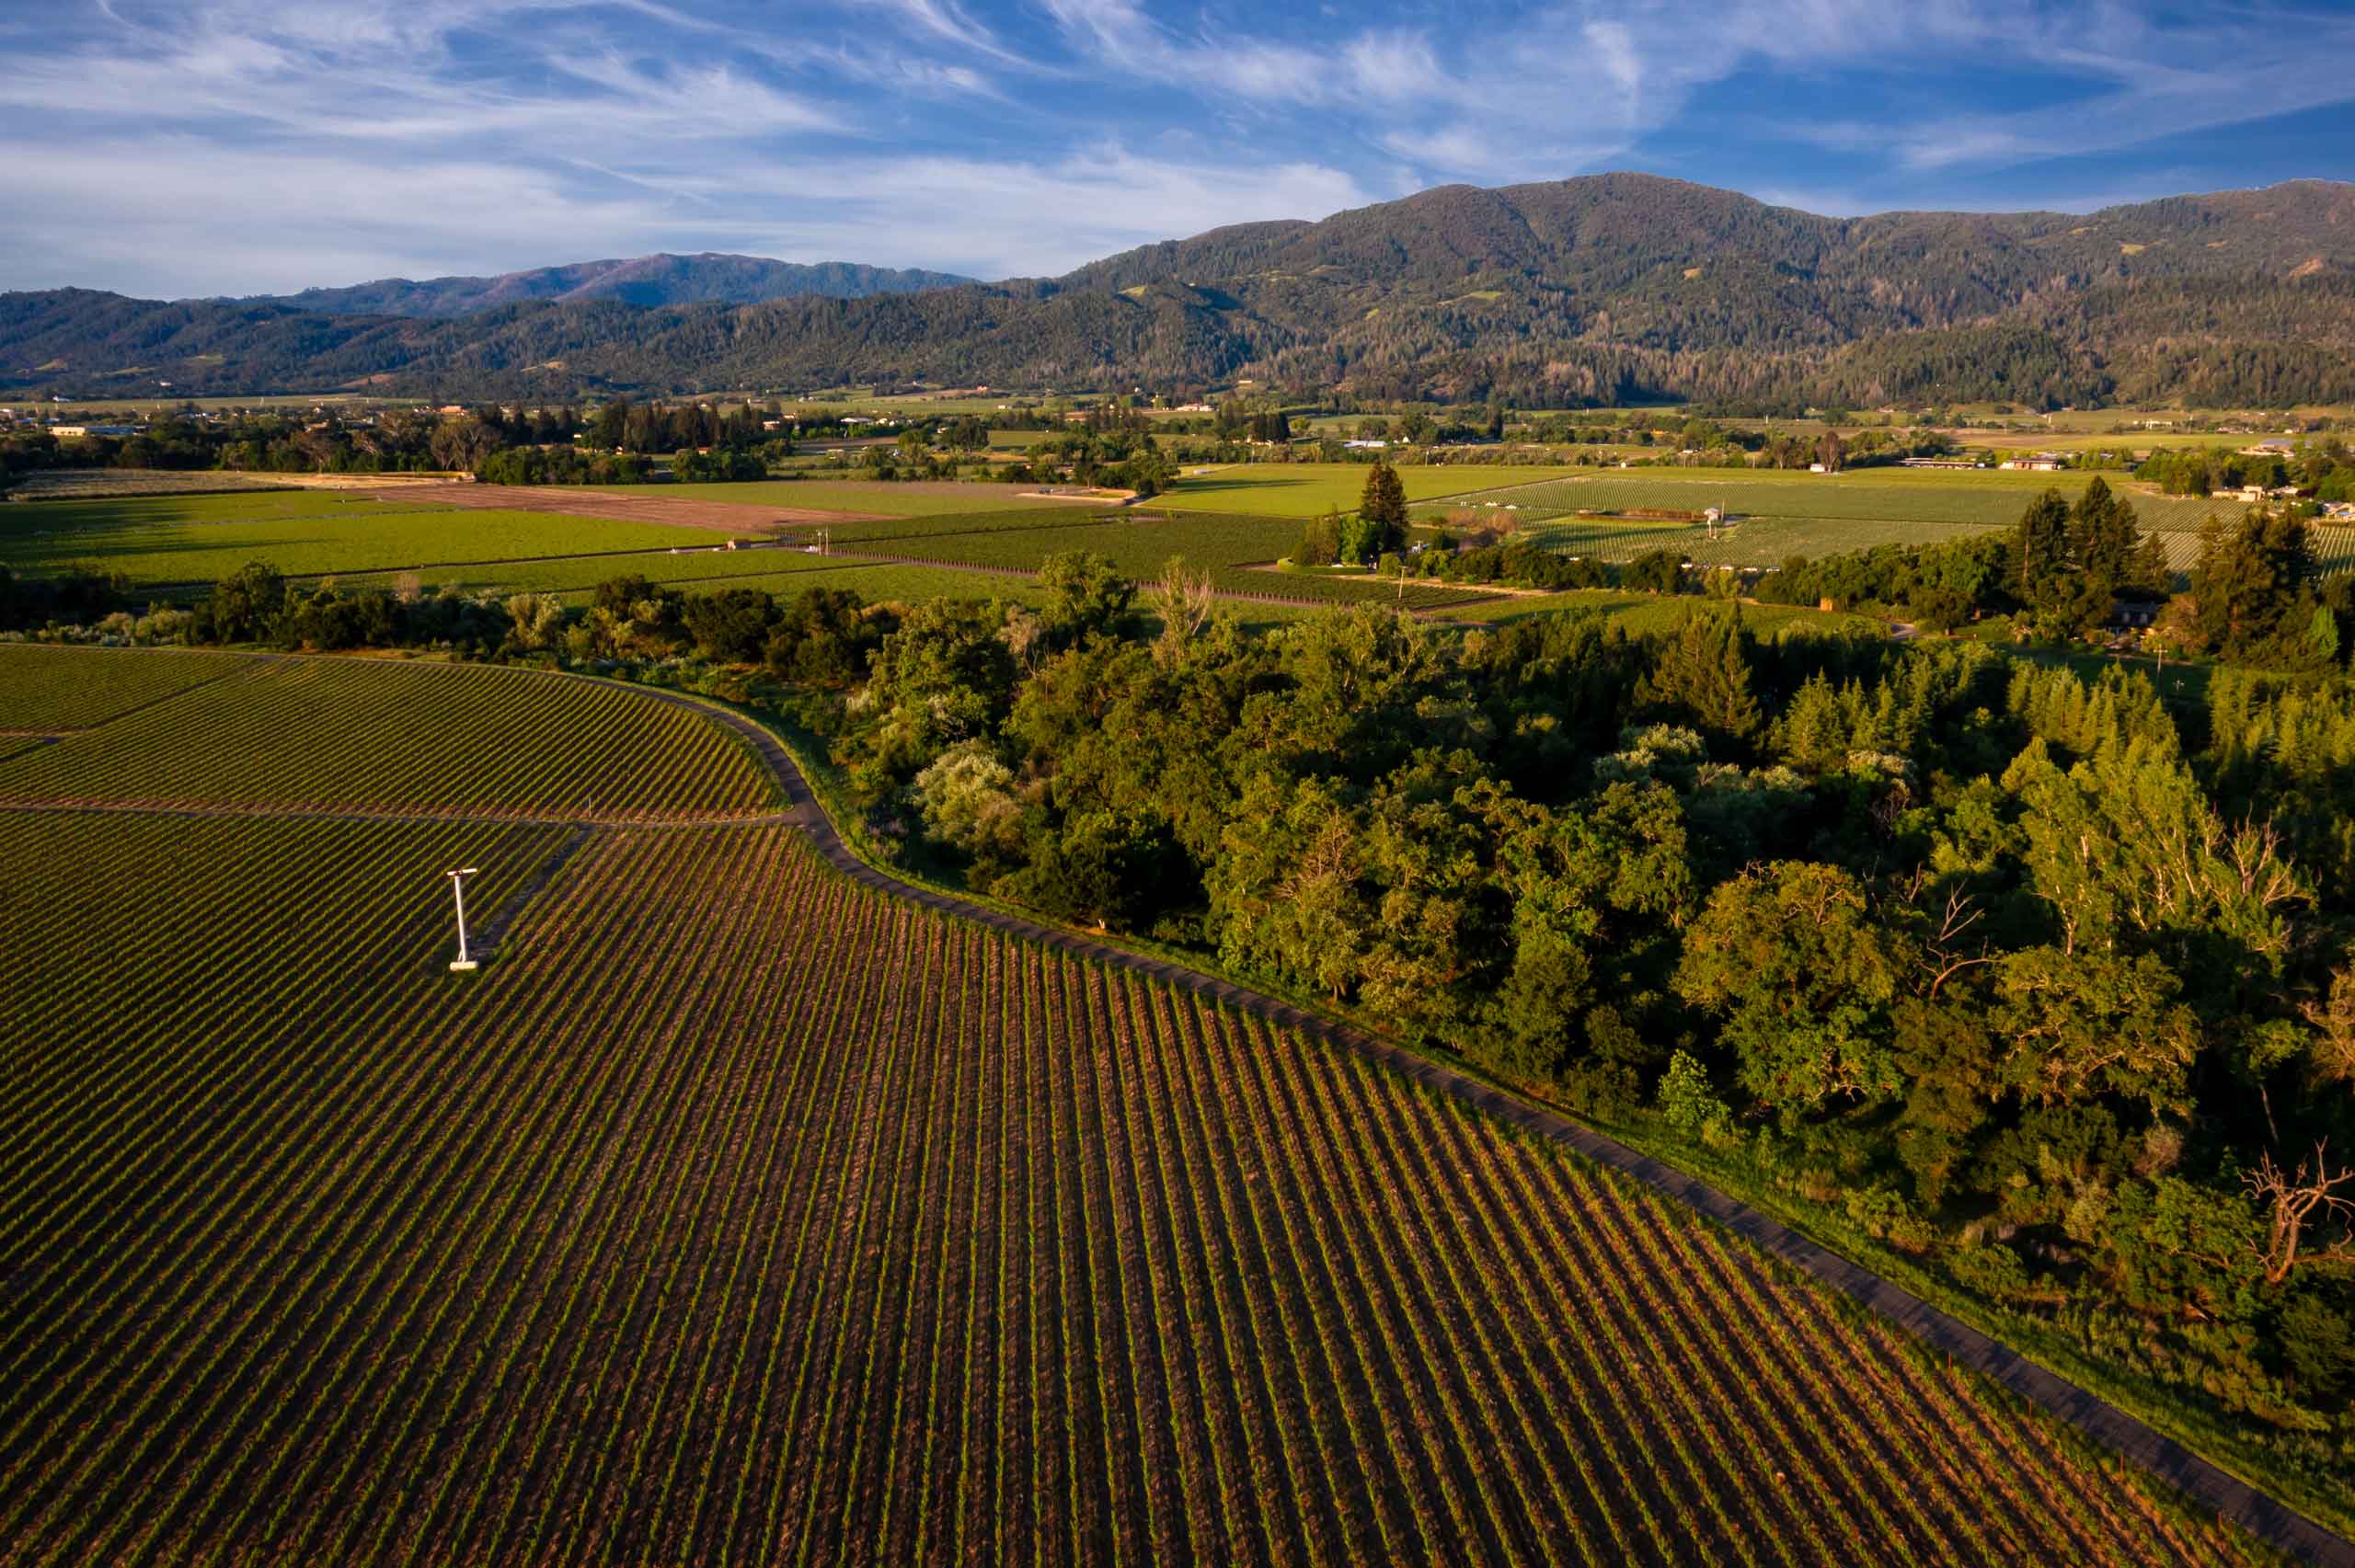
459, 891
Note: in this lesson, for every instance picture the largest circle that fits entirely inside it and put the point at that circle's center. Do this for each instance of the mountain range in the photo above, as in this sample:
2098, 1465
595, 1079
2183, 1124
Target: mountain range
709, 277
1594, 289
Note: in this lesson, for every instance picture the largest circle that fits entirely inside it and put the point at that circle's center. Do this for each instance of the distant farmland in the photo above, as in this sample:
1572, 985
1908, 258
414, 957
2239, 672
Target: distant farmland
1303, 490
197, 539
1773, 517
736, 1212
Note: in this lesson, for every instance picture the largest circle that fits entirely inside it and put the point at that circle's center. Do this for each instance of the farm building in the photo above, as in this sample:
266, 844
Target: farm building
1939, 462
2038, 462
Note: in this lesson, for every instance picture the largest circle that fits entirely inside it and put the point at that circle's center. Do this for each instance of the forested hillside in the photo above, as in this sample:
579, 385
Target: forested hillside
658, 279
1596, 289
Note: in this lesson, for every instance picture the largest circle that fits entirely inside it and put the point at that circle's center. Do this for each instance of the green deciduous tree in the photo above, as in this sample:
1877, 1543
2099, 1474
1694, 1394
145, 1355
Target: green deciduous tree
1787, 954
943, 676
1085, 593
247, 603
2092, 1023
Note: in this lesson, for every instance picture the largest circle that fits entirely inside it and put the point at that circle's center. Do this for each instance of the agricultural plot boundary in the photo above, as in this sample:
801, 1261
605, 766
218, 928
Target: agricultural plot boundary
2197, 1479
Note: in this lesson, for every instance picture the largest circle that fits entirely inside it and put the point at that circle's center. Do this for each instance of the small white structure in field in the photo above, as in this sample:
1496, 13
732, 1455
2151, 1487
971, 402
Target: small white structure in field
459, 891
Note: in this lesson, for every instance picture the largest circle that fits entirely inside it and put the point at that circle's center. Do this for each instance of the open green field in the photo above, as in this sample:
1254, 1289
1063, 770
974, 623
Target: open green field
451, 739
1759, 541
736, 1213
1865, 495
909, 499
1140, 541
199, 539
1640, 614
700, 567
1776, 516
1302, 490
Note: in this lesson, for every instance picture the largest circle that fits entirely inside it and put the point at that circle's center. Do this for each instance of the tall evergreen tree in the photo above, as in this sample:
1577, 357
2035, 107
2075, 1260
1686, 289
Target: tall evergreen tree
1704, 675
2043, 548
2250, 578
2102, 533
1383, 507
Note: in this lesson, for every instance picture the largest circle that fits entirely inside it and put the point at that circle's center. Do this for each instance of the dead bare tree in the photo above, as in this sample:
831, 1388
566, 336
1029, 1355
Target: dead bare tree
2308, 1196
1942, 942
2333, 1047
1184, 600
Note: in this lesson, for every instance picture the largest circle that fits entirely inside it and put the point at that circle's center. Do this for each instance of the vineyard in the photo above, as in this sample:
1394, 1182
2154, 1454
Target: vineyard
442, 739
704, 566
1756, 541
50, 690
1138, 542
199, 539
894, 498
1302, 490
1645, 615
739, 1214
1809, 515
1846, 497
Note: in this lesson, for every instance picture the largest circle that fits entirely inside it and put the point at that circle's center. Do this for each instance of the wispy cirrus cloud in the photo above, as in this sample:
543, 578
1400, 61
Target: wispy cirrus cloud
179, 147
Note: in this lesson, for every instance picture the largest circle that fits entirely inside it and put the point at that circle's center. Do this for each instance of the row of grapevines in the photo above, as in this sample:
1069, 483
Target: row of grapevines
369, 735
737, 1214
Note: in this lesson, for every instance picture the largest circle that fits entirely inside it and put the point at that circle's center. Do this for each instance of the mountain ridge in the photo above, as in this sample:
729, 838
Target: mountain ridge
660, 277
1598, 289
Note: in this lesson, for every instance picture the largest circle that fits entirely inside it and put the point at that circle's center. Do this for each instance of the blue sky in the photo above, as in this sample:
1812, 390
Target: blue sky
176, 147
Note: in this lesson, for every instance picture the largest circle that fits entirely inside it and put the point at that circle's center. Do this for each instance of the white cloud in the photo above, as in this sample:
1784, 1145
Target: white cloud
1007, 218
278, 146
169, 219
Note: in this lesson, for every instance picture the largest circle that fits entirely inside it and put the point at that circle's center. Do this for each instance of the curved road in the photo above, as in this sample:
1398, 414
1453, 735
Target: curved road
2205, 1483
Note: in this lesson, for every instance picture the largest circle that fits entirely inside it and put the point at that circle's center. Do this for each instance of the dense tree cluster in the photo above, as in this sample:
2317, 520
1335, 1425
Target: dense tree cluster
1991, 959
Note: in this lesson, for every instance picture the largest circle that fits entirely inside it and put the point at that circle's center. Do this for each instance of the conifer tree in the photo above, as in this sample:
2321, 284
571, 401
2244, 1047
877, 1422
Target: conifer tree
2043, 548
1383, 507
1706, 674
